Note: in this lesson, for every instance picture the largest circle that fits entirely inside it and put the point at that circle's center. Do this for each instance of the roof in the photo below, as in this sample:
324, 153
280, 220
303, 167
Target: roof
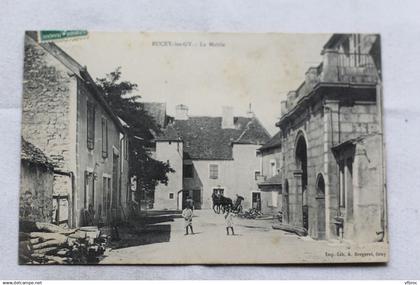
274, 180
81, 72
274, 142
157, 111
352, 142
334, 39
31, 153
205, 139
169, 134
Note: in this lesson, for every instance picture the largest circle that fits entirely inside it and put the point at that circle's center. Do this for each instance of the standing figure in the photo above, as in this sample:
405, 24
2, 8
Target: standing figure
229, 220
187, 214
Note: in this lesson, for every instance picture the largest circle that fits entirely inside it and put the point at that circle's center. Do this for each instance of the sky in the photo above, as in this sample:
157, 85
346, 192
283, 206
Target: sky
205, 71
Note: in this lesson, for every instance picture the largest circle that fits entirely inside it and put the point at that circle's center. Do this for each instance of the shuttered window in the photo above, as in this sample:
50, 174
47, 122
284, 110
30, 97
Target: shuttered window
104, 138
90, 125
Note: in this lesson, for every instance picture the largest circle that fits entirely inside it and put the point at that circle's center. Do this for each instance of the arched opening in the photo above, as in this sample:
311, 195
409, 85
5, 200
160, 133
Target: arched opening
302, 164
286, 202
320, 198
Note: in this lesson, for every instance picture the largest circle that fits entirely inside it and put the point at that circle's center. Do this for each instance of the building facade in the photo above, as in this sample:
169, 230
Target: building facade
67, 118
332, 139
270, 179
210, 154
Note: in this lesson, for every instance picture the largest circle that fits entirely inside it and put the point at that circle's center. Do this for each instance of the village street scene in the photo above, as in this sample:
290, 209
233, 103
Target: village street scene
157, 171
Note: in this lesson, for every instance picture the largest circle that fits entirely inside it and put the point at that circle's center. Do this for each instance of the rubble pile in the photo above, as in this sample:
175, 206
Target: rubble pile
250, 214
44, 243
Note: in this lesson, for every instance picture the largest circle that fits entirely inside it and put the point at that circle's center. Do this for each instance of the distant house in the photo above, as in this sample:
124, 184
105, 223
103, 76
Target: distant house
210, 154
270, 179
66, 117
36, 185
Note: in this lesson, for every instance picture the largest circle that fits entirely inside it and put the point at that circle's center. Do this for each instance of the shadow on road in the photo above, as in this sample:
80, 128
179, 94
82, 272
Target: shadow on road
146, 229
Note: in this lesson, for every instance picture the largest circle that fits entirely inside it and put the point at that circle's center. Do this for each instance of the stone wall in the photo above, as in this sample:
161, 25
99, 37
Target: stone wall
47, 88
36, 193
48, 92
323, 125
313, 127
369, 189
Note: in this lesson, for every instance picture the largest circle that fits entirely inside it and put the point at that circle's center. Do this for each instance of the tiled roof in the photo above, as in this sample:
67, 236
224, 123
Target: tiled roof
31, 153
204, 138
169, 134
157, 111
274, 142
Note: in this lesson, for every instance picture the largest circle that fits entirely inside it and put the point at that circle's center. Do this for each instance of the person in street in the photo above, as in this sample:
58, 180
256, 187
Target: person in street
229, 220
187, 214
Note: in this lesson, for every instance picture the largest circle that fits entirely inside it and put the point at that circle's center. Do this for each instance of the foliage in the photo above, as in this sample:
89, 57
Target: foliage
120, 97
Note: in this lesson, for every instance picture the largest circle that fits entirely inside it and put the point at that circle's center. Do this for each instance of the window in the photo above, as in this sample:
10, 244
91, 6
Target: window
188, 171
257, 174
104, 138
213, 171
90, 125
171, 196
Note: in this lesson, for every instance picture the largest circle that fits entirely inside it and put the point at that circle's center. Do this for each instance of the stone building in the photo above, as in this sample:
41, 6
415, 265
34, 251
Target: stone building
210, 154
331, 130
270, 178
36, 185
68, 119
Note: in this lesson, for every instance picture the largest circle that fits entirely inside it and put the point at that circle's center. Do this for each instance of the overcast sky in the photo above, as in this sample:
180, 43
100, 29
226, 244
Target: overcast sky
240, 69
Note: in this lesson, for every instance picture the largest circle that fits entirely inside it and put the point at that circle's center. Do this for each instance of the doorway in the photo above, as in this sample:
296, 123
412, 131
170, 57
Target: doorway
256, 200
320, 199
302, 164
195, 195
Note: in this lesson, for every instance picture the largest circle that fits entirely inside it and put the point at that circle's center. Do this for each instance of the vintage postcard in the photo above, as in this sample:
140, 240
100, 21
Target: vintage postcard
202, 148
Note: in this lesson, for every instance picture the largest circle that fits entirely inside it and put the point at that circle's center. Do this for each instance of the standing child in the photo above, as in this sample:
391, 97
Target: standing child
229, 221
187, 214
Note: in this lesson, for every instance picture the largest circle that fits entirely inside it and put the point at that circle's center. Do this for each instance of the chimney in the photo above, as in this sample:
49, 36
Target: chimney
181, 112
250, 113
227, 117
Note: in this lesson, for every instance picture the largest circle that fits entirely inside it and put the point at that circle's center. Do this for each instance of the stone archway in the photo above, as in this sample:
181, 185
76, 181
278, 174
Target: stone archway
320, 199
301, 156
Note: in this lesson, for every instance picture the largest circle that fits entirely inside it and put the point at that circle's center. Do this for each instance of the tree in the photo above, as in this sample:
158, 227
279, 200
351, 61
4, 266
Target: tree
119, 95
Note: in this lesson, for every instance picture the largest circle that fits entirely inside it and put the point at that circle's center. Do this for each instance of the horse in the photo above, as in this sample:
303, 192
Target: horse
221, 202
216, 202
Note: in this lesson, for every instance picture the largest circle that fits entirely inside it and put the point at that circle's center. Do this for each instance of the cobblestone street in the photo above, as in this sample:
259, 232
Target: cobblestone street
254, 240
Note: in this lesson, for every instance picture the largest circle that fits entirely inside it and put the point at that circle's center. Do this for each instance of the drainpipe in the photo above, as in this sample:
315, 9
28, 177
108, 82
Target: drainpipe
121, 171
73, 191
